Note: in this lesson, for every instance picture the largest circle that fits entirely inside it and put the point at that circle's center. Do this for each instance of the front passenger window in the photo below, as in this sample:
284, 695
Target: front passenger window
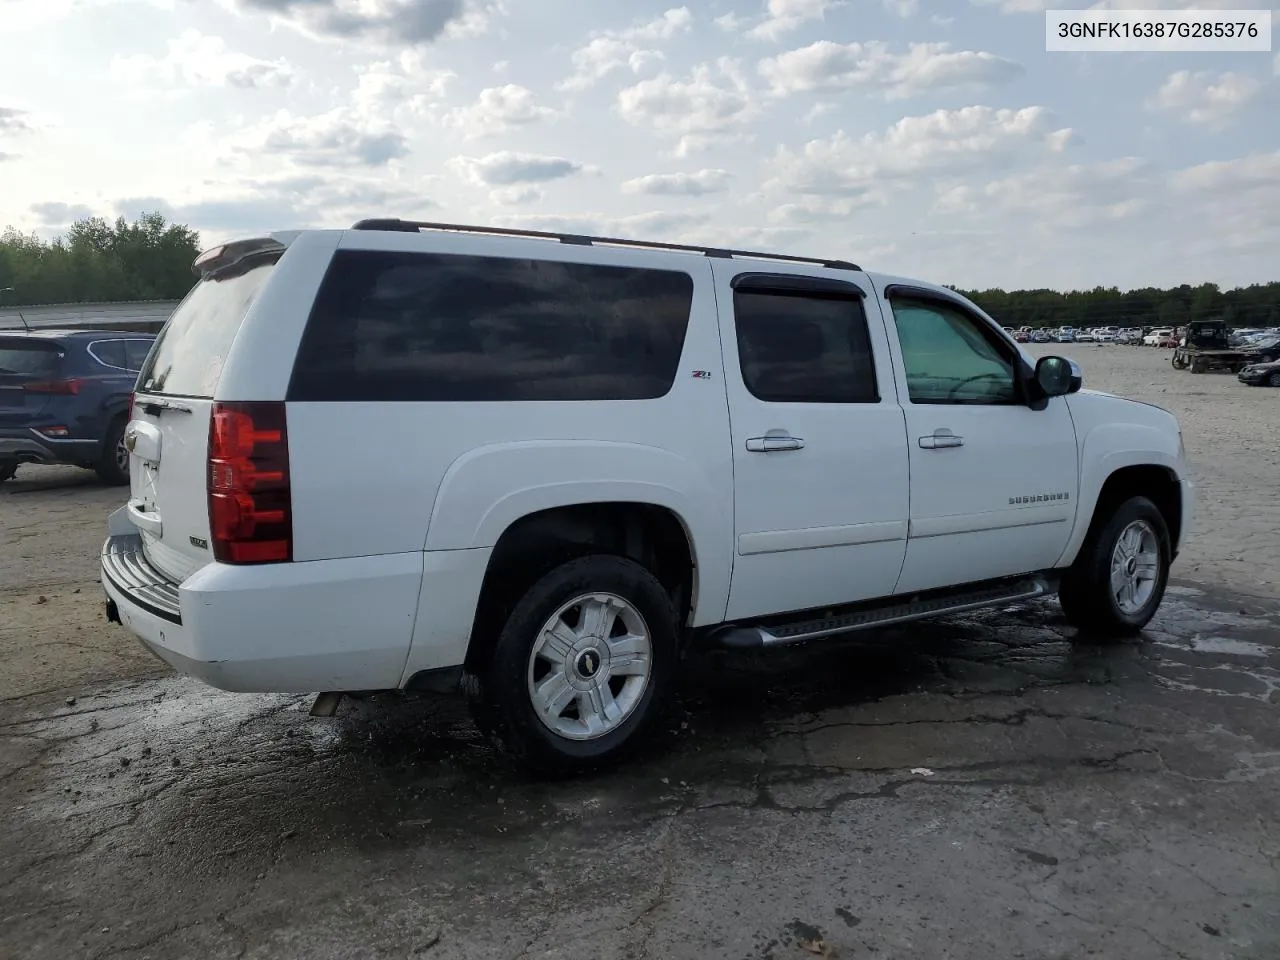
951, 357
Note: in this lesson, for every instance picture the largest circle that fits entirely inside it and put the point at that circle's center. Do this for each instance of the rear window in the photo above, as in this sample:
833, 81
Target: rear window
440, 327
28, 359
191, 349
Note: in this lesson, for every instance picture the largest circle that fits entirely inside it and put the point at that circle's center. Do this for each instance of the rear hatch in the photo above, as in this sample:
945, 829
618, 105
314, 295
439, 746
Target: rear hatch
169, 429
27, 366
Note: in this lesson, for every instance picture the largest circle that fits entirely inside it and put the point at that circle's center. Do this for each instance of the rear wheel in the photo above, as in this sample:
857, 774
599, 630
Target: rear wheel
582, 667
113, 465
1118, 581
7, 469
1274, 379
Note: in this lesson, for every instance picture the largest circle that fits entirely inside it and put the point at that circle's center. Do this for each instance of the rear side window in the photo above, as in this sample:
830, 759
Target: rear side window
109, 352
193, 345
440, 327
801, 348
135, 353
30, 359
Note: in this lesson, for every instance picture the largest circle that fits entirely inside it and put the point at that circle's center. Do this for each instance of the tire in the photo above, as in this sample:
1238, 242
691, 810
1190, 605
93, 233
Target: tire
112, 467
524, 662
7, 469
1086, 593
1274, 380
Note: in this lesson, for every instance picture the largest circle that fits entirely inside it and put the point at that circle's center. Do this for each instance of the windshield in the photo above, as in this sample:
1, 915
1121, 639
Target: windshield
188, 355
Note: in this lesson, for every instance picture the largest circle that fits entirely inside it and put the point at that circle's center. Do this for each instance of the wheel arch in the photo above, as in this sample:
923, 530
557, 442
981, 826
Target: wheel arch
1128, 474
652, 534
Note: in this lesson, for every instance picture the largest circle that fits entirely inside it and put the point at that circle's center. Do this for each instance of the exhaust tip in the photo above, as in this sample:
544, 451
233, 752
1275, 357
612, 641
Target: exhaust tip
326, 704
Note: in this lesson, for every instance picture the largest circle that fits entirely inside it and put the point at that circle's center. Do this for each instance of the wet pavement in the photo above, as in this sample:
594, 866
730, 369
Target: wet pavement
975, 788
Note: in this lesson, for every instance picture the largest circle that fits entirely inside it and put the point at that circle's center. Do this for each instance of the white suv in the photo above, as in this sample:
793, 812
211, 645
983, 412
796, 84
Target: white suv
542, 468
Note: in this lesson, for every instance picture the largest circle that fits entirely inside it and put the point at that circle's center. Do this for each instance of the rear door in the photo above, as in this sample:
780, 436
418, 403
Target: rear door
169, 432
819, 445
24, 362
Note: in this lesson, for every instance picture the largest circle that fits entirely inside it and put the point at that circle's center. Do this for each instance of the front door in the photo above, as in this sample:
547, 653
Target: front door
993, 481
819, 448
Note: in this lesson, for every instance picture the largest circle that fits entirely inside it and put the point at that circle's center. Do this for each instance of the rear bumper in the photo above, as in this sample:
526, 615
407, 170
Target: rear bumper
30, 446
280, 628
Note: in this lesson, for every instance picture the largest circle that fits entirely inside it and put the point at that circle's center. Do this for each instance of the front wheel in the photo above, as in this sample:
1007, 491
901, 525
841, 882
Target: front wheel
113, 464
1118, 581
7, 469
1274, 379
583, 666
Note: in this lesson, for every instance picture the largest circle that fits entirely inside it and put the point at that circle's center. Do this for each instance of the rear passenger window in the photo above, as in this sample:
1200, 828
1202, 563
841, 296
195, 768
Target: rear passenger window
135, 353
804, 348
110, 352
440, 327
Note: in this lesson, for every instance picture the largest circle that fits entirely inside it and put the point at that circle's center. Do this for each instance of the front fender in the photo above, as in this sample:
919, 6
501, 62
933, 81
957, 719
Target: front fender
1107, 448
488, 489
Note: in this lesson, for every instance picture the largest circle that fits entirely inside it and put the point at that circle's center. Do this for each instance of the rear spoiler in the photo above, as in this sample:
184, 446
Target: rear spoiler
217, 258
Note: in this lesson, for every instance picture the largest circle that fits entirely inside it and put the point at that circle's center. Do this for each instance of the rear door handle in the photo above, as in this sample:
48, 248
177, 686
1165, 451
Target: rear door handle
774, 444
939, 439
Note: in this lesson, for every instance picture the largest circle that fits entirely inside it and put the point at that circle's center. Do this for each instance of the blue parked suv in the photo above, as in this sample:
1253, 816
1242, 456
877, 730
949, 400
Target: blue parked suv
64, 398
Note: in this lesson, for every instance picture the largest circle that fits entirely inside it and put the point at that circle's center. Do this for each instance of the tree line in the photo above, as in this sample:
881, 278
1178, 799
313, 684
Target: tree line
1257, 305
150, 259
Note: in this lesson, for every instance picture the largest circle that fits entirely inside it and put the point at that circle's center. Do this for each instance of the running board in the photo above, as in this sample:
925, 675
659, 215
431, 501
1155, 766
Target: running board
862, 617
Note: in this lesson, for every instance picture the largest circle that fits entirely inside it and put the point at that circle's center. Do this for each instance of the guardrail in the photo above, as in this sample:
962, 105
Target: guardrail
137, 316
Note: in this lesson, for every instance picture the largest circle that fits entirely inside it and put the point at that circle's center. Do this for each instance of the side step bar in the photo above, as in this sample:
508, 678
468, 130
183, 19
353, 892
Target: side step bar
864, 616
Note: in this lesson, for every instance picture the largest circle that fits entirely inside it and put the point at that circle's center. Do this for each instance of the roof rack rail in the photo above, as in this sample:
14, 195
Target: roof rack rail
413, 226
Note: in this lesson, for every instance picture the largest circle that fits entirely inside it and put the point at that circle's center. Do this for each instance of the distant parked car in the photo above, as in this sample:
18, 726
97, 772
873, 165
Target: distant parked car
1023, 336
1156, 337
64, 398
1041, 336
1261, 374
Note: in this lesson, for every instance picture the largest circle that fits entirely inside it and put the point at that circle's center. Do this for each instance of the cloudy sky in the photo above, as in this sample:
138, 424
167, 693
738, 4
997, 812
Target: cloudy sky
930, 137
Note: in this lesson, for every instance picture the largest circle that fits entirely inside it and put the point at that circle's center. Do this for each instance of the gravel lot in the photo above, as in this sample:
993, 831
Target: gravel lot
976, 788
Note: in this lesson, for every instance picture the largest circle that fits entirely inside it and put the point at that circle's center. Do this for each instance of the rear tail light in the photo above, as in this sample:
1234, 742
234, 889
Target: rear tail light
250, 508
58, 387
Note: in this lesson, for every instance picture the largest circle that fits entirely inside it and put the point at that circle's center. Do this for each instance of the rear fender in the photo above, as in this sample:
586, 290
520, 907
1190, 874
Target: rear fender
490, 488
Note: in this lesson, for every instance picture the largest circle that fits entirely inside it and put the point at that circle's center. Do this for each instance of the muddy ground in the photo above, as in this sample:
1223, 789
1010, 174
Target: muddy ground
975, 788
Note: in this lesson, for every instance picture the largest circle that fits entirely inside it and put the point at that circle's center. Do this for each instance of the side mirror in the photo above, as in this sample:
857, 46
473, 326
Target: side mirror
1058, 376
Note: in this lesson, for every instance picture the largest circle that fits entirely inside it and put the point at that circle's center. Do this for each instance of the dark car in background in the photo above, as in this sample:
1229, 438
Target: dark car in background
64, 398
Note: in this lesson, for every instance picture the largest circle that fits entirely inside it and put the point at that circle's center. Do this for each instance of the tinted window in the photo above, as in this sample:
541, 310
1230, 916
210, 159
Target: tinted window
797, 348
194, 343
952, 357
135, 353
397, 326
29, 359
110, 352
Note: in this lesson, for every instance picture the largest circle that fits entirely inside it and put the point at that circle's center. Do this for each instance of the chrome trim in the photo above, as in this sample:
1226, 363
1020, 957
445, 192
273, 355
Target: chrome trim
126, 565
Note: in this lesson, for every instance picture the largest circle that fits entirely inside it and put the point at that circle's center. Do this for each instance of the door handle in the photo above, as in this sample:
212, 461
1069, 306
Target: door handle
774, 444
939, 439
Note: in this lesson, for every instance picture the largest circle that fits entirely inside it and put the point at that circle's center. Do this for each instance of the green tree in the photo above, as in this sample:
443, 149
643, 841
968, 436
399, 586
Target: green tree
148, 259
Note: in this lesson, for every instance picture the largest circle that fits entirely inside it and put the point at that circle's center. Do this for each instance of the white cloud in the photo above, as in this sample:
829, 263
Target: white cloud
497, 110
609, 51
818, 211
393, 23
680, 184
1206, 98
828, 67
903, 8
515, 196
713, 105
13, 121
195, 59
1036, 6
784, 16
1058, 197
404, 84
942, 143
729, 22
505, 168
338, 138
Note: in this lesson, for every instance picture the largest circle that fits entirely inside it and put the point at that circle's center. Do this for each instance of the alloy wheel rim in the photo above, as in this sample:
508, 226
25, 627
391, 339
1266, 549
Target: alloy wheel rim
1135, 567
590, 666
122, 455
